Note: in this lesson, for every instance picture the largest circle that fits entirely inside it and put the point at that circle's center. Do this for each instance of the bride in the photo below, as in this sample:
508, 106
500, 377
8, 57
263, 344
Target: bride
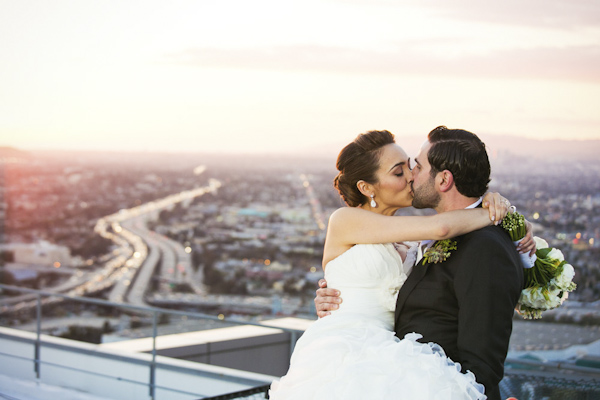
354, 353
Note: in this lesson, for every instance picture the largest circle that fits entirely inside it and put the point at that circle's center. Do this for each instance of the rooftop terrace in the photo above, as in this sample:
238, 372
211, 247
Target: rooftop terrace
236, 360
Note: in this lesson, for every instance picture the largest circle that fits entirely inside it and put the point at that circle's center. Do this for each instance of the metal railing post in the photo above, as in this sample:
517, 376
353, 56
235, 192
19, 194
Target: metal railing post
208, 353
36, 356
153, 363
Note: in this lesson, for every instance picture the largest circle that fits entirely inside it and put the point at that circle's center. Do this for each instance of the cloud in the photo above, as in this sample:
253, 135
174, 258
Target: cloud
564, 14
550, 13
578, 63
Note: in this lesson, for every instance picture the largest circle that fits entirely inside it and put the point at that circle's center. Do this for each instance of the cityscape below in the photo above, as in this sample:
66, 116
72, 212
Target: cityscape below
239, 237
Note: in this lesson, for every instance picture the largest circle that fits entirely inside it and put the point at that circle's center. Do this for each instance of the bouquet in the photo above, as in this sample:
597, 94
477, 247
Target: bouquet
548, 277
547, 284
514, 224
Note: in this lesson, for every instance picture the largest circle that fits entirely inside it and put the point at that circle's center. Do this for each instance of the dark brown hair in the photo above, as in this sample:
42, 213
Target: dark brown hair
462, 153
357, 161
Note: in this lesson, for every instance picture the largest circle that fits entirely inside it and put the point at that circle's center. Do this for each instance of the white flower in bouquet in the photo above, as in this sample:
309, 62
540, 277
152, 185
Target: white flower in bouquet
565, 279
556, 254
540, 298
554, 298
532, 297
540, 243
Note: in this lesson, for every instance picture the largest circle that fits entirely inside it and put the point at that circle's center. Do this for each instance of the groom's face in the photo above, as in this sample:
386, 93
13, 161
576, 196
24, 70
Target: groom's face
423, 184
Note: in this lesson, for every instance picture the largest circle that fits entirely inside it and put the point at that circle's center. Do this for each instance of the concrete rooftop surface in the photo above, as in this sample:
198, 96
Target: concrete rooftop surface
18, 389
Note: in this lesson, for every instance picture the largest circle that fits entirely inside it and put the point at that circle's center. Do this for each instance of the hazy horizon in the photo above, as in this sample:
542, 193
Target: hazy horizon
557, 149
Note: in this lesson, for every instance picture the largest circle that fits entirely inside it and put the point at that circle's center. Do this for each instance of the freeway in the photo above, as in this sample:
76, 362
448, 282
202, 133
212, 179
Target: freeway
165, 257
138, 256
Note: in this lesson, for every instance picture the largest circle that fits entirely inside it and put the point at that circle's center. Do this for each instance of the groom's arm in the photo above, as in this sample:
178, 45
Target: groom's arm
487, 288
327, 299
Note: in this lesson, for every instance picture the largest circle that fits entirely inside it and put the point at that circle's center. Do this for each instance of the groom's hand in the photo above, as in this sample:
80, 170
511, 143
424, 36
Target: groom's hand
327, 299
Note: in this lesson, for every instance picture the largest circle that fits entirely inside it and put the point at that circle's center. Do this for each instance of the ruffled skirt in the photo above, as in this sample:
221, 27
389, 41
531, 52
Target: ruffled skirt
349, 359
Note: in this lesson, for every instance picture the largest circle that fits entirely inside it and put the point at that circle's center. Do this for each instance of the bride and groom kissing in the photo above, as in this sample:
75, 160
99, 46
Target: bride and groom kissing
388, 330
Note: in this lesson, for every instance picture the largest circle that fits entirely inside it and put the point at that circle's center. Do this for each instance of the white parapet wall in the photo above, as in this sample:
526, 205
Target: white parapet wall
114, 373
261, 349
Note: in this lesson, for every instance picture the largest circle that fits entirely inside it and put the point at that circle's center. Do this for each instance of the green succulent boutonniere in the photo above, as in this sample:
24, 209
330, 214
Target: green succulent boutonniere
439, 251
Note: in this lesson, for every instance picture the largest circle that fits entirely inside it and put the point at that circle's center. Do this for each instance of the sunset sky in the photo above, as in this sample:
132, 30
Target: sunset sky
292, 75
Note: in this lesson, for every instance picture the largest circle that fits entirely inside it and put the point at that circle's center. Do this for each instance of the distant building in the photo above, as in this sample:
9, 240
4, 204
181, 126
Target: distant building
42, 253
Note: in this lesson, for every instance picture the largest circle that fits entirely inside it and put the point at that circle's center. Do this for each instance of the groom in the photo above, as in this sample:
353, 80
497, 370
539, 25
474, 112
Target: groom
465, 303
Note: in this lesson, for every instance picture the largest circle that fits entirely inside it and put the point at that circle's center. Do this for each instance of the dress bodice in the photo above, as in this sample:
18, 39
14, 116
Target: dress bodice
368, 276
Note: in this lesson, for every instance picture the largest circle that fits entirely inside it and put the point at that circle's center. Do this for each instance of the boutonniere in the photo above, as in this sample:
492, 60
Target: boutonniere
439, 251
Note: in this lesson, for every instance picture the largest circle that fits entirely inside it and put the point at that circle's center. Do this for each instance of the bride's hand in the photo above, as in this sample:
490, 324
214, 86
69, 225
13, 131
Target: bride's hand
497, 205
327, 299
527, 244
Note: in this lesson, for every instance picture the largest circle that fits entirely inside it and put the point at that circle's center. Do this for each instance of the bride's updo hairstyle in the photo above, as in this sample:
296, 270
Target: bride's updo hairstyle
360, 161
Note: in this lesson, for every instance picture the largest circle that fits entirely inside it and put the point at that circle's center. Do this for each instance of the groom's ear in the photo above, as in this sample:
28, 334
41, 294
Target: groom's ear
445, 180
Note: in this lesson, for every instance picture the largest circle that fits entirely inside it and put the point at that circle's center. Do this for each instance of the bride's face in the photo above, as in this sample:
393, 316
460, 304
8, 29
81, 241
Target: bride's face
392, 189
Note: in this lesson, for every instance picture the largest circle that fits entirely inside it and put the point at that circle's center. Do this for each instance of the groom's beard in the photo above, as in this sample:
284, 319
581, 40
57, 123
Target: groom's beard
425, 195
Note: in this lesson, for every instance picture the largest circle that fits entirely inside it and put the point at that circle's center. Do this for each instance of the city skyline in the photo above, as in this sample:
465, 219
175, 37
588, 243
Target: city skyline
268, 76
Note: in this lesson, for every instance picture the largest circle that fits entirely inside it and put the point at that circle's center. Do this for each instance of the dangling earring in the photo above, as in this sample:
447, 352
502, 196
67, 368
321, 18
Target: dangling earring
373, 204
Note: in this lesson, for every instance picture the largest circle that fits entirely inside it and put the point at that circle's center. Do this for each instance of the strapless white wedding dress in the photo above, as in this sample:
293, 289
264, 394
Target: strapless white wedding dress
353, 354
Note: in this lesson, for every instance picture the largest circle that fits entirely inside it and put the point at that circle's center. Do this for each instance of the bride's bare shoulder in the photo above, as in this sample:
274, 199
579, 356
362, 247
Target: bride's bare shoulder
347, 217
344, 213
340, 218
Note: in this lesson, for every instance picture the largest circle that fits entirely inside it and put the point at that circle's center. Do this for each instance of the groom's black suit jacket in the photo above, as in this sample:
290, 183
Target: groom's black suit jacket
466, 303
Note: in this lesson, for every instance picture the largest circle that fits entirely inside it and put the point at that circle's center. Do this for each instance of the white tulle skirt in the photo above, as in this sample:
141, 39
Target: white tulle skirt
342, 357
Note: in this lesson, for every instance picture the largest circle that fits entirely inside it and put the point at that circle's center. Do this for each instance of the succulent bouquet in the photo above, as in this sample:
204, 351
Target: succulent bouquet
550, 279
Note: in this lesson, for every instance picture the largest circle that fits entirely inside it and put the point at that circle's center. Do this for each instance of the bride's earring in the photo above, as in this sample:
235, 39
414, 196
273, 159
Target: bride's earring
373, 204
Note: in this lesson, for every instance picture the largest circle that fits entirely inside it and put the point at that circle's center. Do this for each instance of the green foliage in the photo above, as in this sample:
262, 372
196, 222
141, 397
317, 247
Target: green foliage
440, 251
514, 224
